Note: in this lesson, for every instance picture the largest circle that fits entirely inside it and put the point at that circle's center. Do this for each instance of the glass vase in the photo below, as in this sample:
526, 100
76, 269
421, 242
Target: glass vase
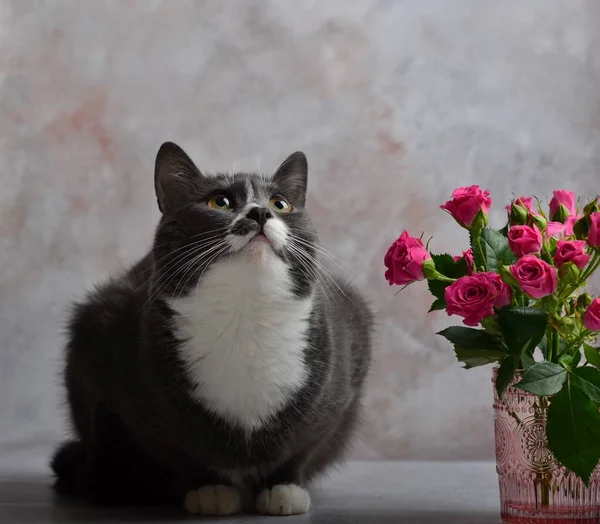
534, 487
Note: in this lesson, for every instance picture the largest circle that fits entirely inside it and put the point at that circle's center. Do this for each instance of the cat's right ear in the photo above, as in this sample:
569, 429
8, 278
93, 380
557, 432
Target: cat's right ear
291, 177
175, 176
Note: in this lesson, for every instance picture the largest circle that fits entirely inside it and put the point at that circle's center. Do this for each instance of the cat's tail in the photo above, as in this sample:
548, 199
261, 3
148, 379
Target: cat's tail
68, 464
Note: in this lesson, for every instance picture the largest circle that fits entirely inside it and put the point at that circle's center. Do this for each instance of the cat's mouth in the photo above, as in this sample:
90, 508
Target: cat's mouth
260, 237
258, 246
258, 241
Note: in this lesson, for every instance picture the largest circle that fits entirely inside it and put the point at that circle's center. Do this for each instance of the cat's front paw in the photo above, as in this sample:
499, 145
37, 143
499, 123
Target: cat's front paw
283, 499
213, 500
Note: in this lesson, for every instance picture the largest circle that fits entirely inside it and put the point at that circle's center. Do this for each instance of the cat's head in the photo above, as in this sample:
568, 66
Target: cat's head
210, 217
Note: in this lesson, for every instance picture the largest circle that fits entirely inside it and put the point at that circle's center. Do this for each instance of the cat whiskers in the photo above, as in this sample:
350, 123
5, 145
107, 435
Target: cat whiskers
203, 242
180, 258
196, 251
204, 233
209, 262
296, 246
192, 249
215, 233
193, 266
310, 269
328, 255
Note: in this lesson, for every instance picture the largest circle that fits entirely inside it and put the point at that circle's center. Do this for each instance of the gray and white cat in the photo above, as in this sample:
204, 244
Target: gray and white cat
224, 362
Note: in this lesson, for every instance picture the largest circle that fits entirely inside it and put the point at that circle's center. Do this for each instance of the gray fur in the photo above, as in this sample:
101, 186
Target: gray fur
140, 437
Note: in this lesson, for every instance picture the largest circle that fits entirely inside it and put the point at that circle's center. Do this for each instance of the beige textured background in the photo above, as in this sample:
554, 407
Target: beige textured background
394, 102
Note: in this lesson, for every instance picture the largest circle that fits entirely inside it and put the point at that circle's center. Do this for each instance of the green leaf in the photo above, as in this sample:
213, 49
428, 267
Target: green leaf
544, 379
506, 373
469, 338
581, 228
573, 430
570, 360
437, 287
445, 265
477, 255
543, 345
473, 358
527, 360
491, 325
562, 347
522, 327
438, 304
588, 381
496, 249
592, 355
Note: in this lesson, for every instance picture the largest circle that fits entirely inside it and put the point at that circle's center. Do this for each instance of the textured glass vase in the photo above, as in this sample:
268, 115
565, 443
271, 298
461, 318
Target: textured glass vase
534, 487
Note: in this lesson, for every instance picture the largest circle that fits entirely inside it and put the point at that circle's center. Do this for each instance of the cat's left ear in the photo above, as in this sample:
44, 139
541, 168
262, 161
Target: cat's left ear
176, 177
291, 178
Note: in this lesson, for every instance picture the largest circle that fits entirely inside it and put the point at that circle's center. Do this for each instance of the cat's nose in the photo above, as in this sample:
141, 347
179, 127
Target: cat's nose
260, 215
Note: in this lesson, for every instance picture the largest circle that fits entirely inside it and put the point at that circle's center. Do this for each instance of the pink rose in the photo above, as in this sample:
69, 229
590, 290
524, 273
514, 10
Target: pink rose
526, 205
562, 203
469, 259
558, 230
504, 292
554, 229
535, 277
473, 297
571, 251
520, 210
591, 318
569, 224
594, 233
525, 202
404, 260
525, 240
466, 203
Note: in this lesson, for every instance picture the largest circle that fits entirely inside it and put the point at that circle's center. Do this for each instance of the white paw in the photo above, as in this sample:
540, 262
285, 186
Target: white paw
283, 499
213, 500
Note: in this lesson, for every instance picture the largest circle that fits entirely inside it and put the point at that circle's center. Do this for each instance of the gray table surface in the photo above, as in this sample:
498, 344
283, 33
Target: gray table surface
360, 492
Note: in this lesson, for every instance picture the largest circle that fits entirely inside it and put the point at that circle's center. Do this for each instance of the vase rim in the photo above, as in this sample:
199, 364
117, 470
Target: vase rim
511, 389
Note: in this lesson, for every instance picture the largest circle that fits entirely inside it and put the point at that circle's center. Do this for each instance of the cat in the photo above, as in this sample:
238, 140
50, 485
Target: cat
225, 362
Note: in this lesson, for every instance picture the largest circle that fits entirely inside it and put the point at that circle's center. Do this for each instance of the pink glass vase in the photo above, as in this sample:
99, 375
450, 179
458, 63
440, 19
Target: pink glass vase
534, 487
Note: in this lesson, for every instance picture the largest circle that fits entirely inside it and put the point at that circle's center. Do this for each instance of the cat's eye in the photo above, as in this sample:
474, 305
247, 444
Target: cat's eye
280, 205
220, 202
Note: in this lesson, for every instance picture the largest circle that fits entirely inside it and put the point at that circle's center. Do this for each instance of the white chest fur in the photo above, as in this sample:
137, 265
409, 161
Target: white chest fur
244, 338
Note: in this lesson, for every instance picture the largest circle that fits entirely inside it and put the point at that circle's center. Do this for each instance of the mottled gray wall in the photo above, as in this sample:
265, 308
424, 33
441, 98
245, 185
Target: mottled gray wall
394, 102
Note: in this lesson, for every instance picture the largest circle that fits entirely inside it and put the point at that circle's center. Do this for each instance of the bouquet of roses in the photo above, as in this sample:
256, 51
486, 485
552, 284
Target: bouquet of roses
521, 289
